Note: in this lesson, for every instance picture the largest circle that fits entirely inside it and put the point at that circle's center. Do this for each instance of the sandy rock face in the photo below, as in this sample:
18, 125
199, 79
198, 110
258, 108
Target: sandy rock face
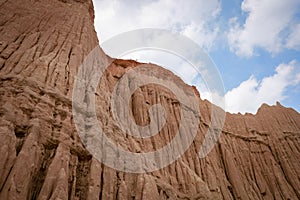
42, 45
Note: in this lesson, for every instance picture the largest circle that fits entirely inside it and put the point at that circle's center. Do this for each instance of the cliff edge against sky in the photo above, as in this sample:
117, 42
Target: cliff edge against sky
42, 45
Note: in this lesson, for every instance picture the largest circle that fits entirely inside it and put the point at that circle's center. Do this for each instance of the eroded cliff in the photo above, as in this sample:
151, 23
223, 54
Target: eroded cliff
42, 45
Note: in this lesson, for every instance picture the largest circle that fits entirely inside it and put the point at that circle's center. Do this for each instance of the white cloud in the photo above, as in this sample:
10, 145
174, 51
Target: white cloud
293, 41
250, 94
167, 60
194, 18
269, 25
266, 26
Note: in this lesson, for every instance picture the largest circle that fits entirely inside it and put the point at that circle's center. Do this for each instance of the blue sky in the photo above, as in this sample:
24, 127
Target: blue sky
255, 44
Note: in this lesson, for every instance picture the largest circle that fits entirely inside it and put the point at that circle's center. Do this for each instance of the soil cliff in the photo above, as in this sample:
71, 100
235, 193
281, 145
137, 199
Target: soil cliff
42, 45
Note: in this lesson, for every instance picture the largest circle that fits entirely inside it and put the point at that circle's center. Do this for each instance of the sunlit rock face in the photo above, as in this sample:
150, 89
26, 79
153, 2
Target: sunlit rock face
42, 45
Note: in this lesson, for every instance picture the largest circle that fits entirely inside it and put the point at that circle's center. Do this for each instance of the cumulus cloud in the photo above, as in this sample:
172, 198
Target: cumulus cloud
270, 25
266, 26
194, 19
250, 94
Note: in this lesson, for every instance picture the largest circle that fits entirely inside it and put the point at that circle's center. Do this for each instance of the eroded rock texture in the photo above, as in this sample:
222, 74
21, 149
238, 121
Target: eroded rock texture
42, 44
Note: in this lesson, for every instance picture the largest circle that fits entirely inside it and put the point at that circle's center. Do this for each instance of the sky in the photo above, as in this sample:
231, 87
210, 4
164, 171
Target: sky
255, 44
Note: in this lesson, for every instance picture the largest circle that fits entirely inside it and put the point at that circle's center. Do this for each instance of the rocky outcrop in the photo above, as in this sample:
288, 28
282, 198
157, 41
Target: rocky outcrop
42, 44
